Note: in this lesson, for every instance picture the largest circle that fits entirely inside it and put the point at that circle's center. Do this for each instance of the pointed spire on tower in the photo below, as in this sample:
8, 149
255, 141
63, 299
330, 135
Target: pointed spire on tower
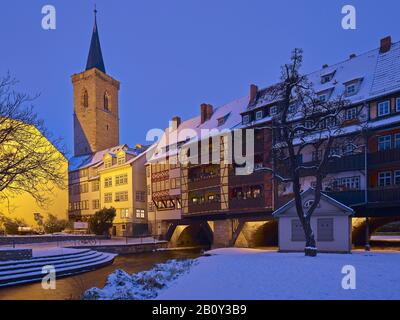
95, 58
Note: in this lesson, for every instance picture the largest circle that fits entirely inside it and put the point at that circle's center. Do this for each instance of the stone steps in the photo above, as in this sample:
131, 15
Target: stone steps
26, 271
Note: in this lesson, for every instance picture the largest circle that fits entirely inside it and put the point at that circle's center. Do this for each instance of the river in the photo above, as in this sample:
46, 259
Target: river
71, 288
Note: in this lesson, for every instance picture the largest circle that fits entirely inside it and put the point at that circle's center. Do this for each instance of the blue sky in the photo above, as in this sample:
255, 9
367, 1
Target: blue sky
173, 55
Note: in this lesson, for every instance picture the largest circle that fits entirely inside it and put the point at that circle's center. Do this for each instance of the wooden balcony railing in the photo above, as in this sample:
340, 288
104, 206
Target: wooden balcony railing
203, 183
206, 207
256, 203
384, 157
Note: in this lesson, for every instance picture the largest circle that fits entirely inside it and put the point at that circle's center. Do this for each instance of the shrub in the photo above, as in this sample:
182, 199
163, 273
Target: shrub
101, 222
52, 224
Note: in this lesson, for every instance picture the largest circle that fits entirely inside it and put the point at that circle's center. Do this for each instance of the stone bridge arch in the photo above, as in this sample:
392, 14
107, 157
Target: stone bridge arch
192, 235
257, 234
359, 227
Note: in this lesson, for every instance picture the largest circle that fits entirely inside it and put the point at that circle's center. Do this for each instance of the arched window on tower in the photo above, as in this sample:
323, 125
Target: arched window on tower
85, 99
106, 102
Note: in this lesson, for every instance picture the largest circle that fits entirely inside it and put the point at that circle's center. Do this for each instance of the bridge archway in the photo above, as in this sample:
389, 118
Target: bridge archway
359, 227
193, 235
258, 234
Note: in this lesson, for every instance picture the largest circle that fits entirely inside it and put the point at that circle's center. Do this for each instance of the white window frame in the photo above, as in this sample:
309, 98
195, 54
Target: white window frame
396, 177
259, 115
385, 104
384, 177
246, 119
396, 143
351, 114
388, 139
397, 104
352, 93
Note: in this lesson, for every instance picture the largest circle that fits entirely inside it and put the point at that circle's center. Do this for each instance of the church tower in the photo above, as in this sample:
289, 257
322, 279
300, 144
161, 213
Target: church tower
96, 121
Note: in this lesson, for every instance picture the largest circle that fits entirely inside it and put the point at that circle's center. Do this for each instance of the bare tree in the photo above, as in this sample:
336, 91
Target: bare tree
30, 160
307, 122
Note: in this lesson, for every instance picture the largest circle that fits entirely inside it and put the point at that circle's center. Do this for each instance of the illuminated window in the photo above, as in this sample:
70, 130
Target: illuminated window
124, 213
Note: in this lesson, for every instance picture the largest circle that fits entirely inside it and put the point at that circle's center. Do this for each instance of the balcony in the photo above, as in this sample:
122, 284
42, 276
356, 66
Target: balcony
254, 178
384, 157
384, 195
204, 182
204, 207
246, 203
345, 163
348, 198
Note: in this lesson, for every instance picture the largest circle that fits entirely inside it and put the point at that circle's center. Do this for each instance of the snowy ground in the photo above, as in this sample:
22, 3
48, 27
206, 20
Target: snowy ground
255, 274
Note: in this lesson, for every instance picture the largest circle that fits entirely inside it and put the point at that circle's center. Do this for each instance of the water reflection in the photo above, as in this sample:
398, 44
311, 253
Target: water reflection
73, 287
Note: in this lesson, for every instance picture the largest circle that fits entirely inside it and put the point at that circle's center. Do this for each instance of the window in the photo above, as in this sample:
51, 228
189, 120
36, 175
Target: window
246, 119
121, 160
397, 177
140, 196
292, 109
350, 114
259, 115
108, 163
85, 99
322, 97
351, 89
273, 110
106, 102
383, 108
309, 124
397, 104
331, 122
95, 185
140, 213
108, 197
96, 204
325, 229
397, 140
124, 213
121, 179
107, 182
384, 143
84, 188
297, 231
121, 196
348, 183
385, 179
317, 155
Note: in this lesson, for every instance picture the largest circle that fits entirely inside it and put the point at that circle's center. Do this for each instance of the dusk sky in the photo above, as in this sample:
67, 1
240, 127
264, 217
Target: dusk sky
173, 55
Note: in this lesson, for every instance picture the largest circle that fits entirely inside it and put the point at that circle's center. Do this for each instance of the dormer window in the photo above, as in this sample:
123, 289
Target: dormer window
223, 119
108, 163
121, 159
352, 87
327, 77
246, 119
273, 110
259, 115
322, 97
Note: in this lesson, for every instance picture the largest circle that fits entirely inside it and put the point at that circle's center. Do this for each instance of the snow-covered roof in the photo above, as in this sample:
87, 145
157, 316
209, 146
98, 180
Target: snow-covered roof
89, 160
282, 210
378, 73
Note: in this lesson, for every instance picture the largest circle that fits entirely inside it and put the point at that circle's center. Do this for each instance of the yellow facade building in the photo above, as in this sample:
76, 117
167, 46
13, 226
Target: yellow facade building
22, 205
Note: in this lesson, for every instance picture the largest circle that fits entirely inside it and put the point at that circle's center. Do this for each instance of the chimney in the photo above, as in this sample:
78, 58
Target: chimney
352, 56
206, 112
175, 123
325, 66
253, 92
386, 44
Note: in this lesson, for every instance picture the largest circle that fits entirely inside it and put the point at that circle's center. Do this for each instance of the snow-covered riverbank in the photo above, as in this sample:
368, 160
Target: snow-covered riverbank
253, 274
257, 275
